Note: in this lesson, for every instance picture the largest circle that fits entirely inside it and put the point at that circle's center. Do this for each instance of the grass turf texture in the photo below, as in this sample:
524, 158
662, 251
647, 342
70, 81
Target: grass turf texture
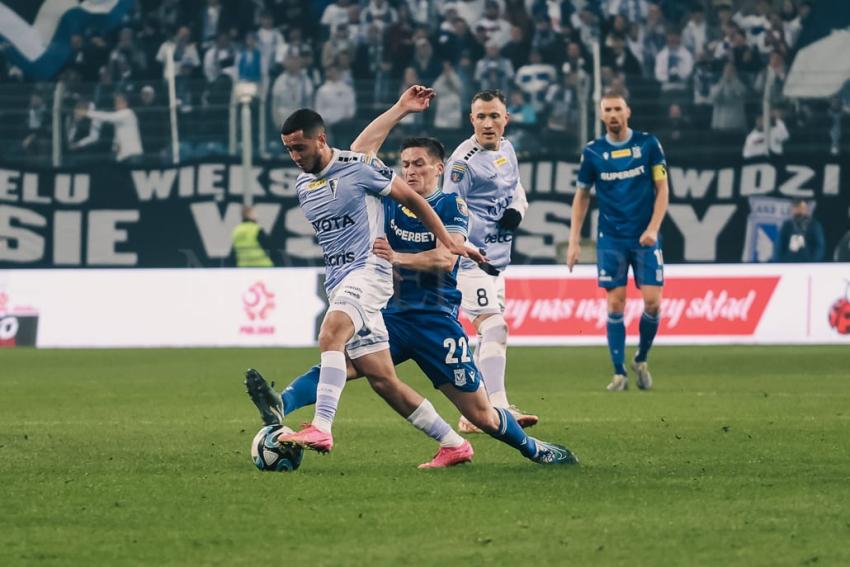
739, 456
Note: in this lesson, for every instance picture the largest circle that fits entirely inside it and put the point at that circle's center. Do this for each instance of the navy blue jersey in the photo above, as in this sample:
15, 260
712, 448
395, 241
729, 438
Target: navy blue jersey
417, 290
624, 175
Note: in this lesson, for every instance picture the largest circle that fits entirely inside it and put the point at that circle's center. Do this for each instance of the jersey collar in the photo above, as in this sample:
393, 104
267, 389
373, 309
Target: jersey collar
481, 148
334, 156
624, 142
433, 196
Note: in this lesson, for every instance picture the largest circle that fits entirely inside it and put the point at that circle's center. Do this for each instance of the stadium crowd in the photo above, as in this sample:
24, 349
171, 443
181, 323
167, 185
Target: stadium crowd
688, 66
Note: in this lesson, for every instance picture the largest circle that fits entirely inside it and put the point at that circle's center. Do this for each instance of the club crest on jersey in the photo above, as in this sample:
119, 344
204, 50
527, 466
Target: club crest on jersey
461, 207
317, 184
636, 152
460, 377
605, 155
333, 184
458, 171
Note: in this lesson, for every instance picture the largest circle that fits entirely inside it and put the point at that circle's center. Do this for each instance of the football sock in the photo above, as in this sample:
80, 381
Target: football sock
511, 433
331, 382
617, 341
648, 327
426, 419
301, 391
492, 358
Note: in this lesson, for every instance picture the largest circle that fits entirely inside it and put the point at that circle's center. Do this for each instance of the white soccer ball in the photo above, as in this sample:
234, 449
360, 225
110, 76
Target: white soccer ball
268, 455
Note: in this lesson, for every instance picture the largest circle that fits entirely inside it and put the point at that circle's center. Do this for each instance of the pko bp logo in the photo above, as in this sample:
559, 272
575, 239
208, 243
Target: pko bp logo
839, 313
258, 302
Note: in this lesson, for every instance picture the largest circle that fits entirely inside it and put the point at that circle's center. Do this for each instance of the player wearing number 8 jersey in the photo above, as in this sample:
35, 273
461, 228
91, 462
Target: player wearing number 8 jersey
484, 171
629, 172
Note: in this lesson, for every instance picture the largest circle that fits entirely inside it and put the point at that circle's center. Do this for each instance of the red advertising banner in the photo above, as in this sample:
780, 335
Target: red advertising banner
692, 306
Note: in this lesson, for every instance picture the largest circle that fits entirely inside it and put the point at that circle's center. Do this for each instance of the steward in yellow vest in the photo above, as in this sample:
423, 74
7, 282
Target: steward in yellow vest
249, 242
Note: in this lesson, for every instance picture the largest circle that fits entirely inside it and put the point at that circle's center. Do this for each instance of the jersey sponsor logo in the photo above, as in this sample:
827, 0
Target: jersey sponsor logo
407, 212
457, 172
500, 161
498, 238
461, 206
317, 184
411, 235
332, 223
621, 153
659, 172
618, 175
338, 259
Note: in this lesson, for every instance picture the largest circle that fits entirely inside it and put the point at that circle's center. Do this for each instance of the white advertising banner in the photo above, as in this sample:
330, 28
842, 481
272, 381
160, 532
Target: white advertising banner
546, 305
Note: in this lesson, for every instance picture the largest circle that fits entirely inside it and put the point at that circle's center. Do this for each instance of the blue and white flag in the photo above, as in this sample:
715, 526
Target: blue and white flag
39, 32
821, 65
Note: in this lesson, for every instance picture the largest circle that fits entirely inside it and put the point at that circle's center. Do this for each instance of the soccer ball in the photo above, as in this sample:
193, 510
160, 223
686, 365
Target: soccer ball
268, 455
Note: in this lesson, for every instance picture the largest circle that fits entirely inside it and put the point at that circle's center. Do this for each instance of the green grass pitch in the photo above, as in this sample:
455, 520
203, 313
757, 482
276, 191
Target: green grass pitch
741, 455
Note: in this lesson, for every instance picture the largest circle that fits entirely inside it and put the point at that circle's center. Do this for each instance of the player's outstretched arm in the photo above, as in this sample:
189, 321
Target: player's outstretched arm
440, 259
581, 202
516, 210
402, 193
659, 209
415, 99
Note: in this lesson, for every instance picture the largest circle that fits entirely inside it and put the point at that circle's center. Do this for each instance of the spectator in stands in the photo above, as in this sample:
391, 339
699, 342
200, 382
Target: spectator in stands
269, 40
81, 59
753, 20
335, 14
380, 13
705, 76
576, 59
654, 38
746, 57
369, 54
676, 133
211, 21
632, 10
415, 119
535, 79
293, 89
335, 99
105, 89
154, 126
220, 58
696, 34
493, 72
127, 50
562, 100
384, 87
674, 65
127, 141
455, 39
37, 127
790, 22
547, 42
185, 52
521, 111
516, 14
619, 58
756, 144
516, 50
497, 29
426, 65
294, 47
249, 61
82, 134
800, 237
469, 10
727, 98
776, 66
448, 105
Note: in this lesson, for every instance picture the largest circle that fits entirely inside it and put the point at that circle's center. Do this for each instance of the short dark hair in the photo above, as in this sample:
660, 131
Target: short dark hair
489, 95
303, 119
431, 145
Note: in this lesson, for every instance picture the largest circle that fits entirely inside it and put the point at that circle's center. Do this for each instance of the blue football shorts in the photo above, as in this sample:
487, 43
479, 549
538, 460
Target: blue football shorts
615, 255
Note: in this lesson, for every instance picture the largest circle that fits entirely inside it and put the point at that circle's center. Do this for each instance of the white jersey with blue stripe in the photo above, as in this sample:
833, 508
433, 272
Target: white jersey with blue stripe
487, 180
343, 203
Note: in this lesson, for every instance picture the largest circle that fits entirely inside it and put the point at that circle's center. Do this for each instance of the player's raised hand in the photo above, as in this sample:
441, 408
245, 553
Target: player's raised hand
649, 237
381, 248
416, 99
573, 253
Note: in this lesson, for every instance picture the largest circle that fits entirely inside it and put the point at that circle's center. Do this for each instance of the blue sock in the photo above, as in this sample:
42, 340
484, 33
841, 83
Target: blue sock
648, 327
301, 391
511, 433
617, 341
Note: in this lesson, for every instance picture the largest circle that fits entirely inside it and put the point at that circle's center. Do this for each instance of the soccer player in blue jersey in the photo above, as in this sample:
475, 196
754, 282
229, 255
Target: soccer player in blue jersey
484, 171
421, 317
629, 172
341, 193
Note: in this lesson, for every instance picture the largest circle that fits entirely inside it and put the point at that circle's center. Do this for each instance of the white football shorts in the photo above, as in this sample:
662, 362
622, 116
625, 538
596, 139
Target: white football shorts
482, 294
361, 295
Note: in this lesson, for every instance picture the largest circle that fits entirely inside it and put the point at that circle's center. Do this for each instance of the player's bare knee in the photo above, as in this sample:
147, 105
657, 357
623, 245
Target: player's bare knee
652, 306
485, 419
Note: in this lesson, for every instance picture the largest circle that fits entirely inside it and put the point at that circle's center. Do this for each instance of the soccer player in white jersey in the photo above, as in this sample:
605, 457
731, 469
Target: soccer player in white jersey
340, 194
484, 171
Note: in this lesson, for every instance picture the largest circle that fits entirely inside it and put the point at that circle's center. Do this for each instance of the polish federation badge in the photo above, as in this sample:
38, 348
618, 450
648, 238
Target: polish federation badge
458, 171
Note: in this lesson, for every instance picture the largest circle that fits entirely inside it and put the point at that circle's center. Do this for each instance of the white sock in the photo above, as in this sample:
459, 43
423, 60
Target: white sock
492, 358
332, 378
499, 399
426, 419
